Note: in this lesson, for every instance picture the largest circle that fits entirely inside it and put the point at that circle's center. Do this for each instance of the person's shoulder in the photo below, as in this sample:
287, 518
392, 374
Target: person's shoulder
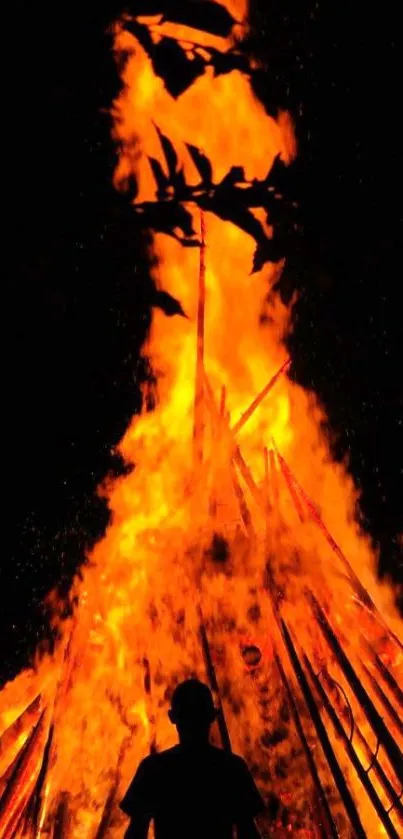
238, 764
228, 759
239, 761
160, 758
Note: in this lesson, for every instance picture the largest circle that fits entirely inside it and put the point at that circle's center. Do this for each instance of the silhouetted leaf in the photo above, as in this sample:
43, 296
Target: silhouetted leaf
180, 185
166, 217
269, 251
200, 14
170, 305
169, 152
260, 88
141, 32
141, 8
236, 175
202, 164
228, 210
160, 178
277, 174
226, 62
172, 65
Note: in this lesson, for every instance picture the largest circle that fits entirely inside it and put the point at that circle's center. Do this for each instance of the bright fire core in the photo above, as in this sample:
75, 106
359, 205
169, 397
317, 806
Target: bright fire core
231, 534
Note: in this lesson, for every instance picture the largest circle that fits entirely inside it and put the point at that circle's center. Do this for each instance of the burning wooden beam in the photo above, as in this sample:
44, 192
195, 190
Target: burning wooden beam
259, 398
352, 754
23, 779
372, 757
330, 826
360, 590
62, 816
273, 478
12, 739
34, 807
374, 718
388, 678
288, 477
237, 456
323, 738
212, 678
243, 506
388, 707
198, 426
111, 799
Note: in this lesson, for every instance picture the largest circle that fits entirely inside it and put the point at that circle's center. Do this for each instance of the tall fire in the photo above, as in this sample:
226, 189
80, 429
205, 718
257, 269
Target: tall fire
233, 552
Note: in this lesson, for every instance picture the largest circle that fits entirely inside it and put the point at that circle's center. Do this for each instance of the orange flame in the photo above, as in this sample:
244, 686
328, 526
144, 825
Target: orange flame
159, 559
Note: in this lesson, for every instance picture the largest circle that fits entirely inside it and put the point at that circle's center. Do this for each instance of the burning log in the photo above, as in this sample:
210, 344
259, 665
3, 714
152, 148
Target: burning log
10, 740
331, 758
259, 398
198, 427
385, 738
21, 782
347, 743
34, 807
330, 826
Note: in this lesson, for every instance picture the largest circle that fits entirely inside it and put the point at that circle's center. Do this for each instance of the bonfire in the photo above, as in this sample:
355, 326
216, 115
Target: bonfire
233, 551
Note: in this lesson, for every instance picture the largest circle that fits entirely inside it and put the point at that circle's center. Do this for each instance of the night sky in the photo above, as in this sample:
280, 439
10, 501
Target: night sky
78, 296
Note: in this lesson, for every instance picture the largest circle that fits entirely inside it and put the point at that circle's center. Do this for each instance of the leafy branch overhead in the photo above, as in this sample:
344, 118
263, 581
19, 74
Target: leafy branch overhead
234, 198
178, 67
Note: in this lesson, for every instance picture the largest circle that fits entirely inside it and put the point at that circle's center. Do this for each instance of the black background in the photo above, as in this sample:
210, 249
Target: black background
76, 307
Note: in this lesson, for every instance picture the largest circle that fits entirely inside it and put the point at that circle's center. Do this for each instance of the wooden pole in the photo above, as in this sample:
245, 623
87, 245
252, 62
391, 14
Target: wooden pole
198, 425
374, 718
259, 398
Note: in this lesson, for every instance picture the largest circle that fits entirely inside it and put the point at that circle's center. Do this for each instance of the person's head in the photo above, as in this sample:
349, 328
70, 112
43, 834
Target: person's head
192, 711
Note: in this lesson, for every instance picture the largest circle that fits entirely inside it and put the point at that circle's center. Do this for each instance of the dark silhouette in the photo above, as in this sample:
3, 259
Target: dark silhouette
194, 790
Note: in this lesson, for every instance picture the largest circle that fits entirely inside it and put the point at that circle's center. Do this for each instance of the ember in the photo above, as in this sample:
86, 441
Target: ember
235, 524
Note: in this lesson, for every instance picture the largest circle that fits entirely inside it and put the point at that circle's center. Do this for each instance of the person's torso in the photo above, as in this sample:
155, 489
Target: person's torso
194, 795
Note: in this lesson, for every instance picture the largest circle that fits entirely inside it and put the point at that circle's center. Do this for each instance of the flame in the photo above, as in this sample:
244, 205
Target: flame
138, 605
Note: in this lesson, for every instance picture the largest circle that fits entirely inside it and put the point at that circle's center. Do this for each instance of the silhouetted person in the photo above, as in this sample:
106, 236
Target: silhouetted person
192, 791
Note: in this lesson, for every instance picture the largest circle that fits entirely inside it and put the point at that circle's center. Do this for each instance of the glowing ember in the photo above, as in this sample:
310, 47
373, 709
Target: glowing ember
235, 524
